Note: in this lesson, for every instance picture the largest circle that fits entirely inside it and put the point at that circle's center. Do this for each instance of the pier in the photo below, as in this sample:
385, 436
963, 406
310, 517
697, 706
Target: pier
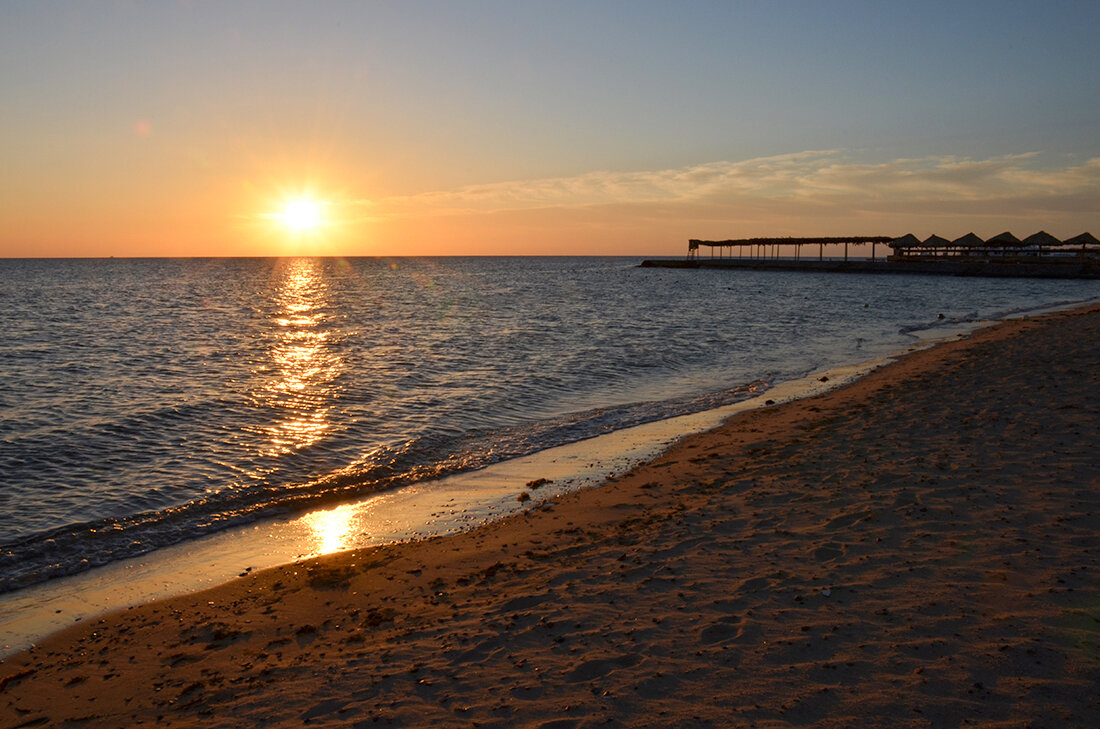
1003, 256
765, 248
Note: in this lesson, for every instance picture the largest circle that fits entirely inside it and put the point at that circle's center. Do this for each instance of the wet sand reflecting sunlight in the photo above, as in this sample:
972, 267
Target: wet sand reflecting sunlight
333, 529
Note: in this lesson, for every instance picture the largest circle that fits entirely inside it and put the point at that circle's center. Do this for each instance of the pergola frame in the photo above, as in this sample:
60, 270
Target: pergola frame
765, 248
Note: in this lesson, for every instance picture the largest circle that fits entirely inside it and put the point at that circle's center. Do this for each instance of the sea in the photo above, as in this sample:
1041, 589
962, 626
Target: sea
146, 402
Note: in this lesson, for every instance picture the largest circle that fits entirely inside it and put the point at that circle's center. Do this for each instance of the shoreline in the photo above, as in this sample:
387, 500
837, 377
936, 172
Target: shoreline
441, 507
846, 540
437, 508
868, 323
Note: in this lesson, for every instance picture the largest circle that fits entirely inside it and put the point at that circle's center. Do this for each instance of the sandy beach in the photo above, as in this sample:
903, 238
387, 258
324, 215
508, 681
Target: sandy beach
918, 549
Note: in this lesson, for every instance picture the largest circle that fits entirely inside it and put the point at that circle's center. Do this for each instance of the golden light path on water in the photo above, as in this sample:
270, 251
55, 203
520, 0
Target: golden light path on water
305, 366
298, 384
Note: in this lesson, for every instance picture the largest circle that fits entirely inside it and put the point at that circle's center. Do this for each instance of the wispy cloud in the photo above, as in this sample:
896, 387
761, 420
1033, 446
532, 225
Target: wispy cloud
812, 183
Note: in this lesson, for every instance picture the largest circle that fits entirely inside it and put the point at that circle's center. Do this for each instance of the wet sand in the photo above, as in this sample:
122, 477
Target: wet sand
918, 549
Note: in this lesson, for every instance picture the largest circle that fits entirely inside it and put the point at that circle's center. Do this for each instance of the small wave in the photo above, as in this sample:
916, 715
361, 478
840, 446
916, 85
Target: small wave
77, 547
1015, 312
976, 317
146, 403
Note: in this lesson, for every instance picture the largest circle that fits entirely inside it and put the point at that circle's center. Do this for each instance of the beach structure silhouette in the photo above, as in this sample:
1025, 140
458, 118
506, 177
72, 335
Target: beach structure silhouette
1040, 255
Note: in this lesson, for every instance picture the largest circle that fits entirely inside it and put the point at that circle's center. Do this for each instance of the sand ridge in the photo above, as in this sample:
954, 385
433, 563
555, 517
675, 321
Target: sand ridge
918, 549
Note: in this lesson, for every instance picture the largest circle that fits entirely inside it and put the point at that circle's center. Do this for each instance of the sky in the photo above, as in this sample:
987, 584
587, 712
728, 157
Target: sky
487, 128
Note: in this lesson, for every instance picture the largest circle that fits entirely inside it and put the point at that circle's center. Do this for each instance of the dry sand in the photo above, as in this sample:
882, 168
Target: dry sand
919, 549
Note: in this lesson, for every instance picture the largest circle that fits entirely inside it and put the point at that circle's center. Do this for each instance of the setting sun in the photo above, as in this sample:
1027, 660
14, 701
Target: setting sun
301, 215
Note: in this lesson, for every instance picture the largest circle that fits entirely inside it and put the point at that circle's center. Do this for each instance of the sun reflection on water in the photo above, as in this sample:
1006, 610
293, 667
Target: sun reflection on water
301, 389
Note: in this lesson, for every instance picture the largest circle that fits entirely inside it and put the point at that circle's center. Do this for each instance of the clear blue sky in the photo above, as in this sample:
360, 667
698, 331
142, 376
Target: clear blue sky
128, 115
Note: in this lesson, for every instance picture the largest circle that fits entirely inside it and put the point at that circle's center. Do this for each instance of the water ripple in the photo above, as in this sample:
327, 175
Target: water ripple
144, 402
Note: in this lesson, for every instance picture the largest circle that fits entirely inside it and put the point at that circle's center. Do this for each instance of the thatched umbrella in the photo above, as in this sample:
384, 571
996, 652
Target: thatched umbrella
934, 241
906, 241
968, 241
1042, 239
1085, 240
1004, 240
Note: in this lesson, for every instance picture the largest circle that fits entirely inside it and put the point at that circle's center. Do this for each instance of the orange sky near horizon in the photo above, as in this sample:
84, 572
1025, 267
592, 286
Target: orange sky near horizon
640, 213
428, 128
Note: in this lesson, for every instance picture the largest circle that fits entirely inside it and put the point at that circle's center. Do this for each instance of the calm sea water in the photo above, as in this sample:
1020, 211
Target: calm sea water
144, 402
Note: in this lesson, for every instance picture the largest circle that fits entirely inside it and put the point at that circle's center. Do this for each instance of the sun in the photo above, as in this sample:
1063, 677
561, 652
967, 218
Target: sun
301, 215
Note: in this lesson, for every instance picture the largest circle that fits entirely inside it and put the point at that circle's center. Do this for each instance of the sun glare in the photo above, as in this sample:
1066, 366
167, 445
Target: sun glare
301, 215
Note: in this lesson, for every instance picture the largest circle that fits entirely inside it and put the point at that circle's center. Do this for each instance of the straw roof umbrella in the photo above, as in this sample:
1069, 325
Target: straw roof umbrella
906, 241
1042, 239
1004, 240
969, 241
934, 241
1085, 240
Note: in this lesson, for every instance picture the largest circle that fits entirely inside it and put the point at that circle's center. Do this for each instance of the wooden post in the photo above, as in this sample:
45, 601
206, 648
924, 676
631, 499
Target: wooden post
845, 251
820, 251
